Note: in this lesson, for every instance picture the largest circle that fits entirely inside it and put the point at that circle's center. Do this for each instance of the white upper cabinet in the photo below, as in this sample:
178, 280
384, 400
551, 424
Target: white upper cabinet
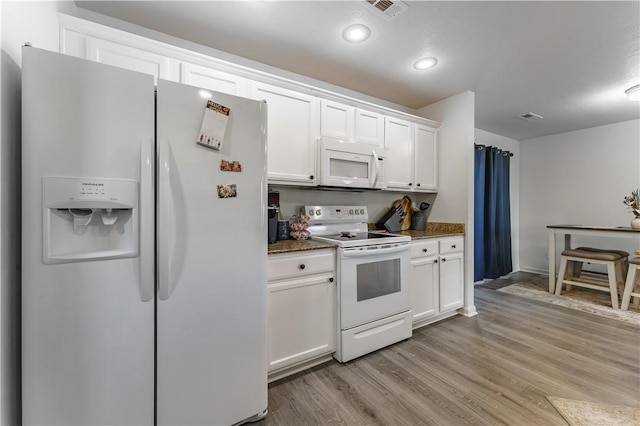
426, 161
411, 163
291, 134
130, 58
398, 141
207, 78
336, 120
369, 127
346, 123
296, 119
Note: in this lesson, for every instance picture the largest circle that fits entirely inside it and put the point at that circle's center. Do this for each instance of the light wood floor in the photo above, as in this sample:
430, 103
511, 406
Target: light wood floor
494, 368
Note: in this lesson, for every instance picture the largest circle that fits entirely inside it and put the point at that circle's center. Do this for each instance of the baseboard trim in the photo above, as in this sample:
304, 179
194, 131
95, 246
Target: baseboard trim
534, 270
468, 311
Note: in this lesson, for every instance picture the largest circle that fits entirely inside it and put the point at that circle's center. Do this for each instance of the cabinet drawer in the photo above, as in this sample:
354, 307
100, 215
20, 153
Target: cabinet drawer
289, 265
451, 245
424, 248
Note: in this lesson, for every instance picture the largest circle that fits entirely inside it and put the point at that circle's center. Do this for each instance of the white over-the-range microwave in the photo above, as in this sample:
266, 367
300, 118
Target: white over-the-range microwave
350, 165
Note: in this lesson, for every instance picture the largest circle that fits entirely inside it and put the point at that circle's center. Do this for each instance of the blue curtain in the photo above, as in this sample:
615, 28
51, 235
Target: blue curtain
492, 214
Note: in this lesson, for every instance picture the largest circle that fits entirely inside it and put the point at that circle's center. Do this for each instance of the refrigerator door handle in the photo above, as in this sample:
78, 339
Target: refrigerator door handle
172, 222
147, 228
165, 208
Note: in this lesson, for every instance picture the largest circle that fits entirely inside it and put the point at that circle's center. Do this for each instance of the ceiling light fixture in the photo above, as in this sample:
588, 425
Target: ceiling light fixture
356, 33
633, 92
425, 63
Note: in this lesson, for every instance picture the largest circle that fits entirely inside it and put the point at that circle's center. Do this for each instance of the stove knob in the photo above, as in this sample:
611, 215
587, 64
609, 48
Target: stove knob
311, 212
361, 211
318, 212
350, 211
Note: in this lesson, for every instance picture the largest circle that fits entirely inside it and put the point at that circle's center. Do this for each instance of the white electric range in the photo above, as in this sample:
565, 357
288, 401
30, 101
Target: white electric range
374, 298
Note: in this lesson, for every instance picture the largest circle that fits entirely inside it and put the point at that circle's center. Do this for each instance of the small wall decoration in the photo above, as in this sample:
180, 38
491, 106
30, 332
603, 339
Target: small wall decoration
214, 125
227, 191
230, 166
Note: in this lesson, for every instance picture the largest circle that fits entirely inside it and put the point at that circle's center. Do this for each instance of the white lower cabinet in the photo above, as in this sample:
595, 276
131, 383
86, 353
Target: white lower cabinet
302, 310
437, 278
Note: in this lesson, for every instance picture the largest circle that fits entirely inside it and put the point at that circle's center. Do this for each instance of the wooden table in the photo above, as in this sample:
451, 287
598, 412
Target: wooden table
594, 231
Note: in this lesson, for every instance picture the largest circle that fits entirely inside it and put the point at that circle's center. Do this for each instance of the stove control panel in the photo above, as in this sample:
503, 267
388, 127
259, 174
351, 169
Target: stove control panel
336, 214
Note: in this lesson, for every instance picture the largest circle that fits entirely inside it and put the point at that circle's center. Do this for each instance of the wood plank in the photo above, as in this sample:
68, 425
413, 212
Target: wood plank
494, 368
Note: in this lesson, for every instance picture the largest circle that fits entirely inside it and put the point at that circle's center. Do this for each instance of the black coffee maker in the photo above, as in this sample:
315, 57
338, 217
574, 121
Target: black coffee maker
273, 212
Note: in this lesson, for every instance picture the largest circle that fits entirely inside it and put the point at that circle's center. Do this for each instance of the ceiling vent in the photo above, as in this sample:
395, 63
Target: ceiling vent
529, 116
389, 9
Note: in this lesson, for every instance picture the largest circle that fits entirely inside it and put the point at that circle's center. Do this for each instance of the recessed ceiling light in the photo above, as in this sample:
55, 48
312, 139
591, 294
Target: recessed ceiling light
425, 63
356, 33
633, 92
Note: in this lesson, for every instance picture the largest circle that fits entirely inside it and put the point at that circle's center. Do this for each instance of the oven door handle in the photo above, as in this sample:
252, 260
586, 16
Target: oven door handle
370, 251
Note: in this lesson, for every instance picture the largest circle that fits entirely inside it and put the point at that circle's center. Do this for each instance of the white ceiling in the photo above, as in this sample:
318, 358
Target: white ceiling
569, 62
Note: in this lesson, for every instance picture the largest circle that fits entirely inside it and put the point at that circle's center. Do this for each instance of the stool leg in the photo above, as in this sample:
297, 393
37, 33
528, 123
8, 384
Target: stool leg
628, 287
574, 269
561, 272
613, 286
621, 274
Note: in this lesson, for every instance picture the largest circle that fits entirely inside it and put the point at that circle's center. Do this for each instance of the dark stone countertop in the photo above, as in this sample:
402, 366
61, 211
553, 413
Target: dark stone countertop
420, 235
288, 246
434, 230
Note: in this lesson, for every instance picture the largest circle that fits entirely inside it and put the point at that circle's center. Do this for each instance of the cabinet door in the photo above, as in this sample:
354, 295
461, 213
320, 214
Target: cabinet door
302, 320
291, 138
336, 120
425, 154
211, 79
131, 58
398, 141
424, 287
451, 281
369, 128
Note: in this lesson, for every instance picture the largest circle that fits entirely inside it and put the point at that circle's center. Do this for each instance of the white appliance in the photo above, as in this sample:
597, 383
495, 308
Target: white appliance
350, 165
137, 305
374, 283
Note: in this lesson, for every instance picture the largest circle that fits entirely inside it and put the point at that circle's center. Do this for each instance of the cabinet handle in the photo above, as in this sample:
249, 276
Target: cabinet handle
311, 177
417, 184
435, 261
424, 250
453, 246
410, 184
301, 266
444, 259
331, 279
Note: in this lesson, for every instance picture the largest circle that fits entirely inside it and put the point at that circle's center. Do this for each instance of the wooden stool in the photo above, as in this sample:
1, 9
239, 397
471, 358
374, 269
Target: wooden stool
622, 266
614, 260
634, 267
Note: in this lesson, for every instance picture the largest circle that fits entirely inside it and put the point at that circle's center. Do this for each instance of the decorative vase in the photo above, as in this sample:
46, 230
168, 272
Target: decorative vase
635, 222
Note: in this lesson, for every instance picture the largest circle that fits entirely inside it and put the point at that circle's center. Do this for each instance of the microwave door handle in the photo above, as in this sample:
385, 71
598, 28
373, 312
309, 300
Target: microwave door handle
375, 169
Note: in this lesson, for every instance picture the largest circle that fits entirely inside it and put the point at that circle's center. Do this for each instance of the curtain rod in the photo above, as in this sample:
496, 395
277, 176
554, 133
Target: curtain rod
504, 152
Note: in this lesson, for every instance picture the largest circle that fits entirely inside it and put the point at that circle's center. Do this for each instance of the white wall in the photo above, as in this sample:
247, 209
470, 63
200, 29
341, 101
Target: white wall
578, 177
37, 23
378, 203
454, 202
512, 145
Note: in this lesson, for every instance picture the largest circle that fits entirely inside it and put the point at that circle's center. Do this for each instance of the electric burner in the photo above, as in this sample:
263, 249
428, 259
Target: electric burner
346, 226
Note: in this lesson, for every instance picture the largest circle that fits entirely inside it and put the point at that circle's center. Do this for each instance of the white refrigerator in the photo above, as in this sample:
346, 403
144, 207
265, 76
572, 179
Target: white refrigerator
144, 295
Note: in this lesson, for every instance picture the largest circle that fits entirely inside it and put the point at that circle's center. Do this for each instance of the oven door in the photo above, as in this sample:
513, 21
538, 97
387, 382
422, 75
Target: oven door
374, 283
